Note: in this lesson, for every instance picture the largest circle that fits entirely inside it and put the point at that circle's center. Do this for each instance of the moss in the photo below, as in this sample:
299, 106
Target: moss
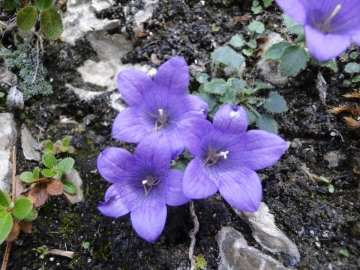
70, 223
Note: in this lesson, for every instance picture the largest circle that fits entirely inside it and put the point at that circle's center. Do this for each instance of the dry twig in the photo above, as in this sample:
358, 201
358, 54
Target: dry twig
192, 234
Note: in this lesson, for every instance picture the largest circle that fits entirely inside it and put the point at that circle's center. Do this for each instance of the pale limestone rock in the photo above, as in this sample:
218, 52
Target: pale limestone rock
7, 141
29, 144
73, 176
236, 254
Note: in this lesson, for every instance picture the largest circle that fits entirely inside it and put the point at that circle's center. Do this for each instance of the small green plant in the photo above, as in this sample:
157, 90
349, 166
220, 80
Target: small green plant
11, 213
60, 146
344, 253
327, 181
353, 69
86, 245
50, 20
32, 74
200, 262
293, 57
257, 8
42, 251
235, 91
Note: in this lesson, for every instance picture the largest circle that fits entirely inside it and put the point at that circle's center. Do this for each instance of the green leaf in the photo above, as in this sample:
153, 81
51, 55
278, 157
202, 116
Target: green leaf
329, 64
251, 116
323, 178
51, 24
48, 173
86, 245
27, 177
267, 123
293, 60
276, 50
331, 188
353, 55
292, 26
64, 149
179, 165
69, 187
256, 27
247, 52
202, 77
344, 253
22, 208
49, 160
252, 44
256, 9
10, 4
6, 223
356, 79
229, 97
43, 4
237, 84
216, 87
352, 68
275, 103
267, 3
49, 145
2, 94
26, 18
209, 99
237, 41
5, 200
200, 263
32, 215
228, 57
36, 173
65, 165
260, 85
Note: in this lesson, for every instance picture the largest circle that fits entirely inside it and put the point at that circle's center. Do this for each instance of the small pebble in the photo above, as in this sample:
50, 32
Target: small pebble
317, 244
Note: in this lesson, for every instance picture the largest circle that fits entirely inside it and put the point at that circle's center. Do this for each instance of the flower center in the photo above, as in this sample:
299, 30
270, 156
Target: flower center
161, 119
148, 183
325, 26
212, 156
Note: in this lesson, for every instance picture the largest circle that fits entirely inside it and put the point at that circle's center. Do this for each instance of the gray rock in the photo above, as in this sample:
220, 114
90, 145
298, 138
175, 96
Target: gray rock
267, 234
29, 144
15, 99
333, 158
7, 79
73, 176
235, 253
270, 69
7, 141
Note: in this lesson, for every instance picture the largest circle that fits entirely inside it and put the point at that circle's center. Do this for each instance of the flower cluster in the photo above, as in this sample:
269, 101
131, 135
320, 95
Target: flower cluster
330, 26
165, 120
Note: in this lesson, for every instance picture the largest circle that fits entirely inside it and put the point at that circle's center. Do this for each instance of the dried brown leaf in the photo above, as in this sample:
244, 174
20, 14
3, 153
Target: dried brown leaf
337, 110
355, 94
38, 195
14, 233
26, 226
352, 123
54, 187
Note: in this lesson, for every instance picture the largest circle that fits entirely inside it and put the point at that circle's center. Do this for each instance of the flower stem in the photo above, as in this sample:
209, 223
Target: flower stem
192, 234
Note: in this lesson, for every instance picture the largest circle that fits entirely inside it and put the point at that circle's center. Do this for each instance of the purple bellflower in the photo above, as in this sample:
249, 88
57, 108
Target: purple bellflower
159, 106
142, 184
329, 25
227, 157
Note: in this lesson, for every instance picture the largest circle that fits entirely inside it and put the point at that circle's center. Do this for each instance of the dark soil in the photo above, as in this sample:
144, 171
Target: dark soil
320, 223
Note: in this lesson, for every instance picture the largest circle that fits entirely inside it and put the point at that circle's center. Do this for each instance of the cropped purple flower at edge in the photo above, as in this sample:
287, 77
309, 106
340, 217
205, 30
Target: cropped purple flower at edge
330, 25
159, 106
227, 157
142, 184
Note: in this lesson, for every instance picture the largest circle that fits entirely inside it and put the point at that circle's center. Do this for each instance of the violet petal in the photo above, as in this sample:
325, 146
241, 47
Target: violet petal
174, 188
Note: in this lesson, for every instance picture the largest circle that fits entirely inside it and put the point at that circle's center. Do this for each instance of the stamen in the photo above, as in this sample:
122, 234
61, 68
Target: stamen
224, 154
213, 156
149, 183
161, 119
325, 26
161, 112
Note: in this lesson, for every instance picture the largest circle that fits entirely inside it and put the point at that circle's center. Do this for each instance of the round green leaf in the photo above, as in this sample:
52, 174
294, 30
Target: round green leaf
267, 123
51, 24
5, 200
26, 18
276, 50
228, 57
48, 173
352, 68
257, 27
22, 208
293, 60
216, 87
331, 188
275, 103
66, 164
43, 4
49, 160
6, 223
69, 187
27, 177
32, 215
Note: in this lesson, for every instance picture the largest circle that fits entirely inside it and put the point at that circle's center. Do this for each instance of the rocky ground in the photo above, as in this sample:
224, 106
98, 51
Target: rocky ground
321, 229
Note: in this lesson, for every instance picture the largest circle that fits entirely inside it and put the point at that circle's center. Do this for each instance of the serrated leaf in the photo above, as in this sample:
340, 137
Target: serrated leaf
51, 24
330, 64
209, 99
65, 165
36, 173
276, 50
216, 87
69, 187
229, 97
32, 215
228, 57
352, 68
257, 27
237, 84
5, 200
43, 4
6, 223
250, 116
293, 60
275, 103
252, 44
237, 41
49, 160
48, 173
292, 26
266, 122
26, 18
27, 177
22, 208
202, 77
260, 85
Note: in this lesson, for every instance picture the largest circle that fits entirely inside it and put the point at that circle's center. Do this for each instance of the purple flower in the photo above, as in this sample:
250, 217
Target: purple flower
141, 184
330, 25
227, 157
159, 106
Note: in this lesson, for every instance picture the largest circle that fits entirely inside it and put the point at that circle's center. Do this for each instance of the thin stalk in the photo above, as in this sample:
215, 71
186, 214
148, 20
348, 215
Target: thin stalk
192, 234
